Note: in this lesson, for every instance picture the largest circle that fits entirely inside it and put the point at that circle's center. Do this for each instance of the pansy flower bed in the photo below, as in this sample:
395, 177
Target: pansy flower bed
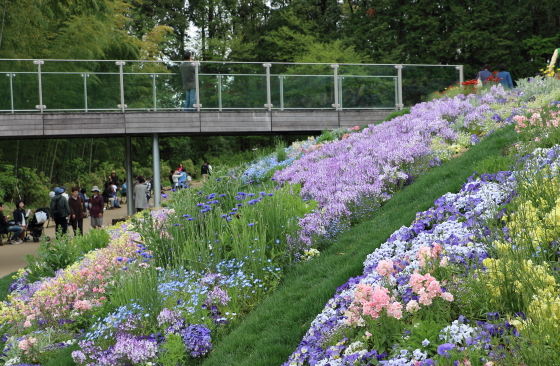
394, 314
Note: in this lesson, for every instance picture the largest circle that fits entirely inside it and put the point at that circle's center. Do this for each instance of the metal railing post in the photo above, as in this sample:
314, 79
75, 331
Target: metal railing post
154, 89
268, 104
157, 171
121, 64
196, 64
11, 76
220, 92
41, 106
281, 92
336, 104
400, 104
85, 76
461, 76
340, 78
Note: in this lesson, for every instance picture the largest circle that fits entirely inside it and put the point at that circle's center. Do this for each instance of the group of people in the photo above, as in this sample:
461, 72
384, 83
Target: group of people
503, 75
73, 209
17, 226
179, 178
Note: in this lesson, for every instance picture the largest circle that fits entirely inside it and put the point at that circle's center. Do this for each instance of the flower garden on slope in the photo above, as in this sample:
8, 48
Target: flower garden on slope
184, 273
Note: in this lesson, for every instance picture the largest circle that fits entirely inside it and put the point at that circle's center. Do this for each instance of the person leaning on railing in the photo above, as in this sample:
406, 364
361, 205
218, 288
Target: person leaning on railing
189, 84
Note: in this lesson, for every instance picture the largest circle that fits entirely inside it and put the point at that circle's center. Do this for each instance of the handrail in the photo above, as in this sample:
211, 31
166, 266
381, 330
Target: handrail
297, 87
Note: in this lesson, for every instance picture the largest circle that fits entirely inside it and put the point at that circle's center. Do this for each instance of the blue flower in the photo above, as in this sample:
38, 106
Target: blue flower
443, 349
251, 224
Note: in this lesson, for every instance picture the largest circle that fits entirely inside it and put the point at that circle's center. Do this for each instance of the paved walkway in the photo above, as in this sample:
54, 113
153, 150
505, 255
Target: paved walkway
11, 256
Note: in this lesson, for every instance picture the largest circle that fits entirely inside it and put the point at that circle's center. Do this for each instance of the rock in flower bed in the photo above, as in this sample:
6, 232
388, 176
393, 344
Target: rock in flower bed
395, 313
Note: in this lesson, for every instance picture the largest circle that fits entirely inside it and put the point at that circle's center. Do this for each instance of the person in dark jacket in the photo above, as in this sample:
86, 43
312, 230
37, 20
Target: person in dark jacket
77, 211
60, 210
21, 218
96, 208
5, 227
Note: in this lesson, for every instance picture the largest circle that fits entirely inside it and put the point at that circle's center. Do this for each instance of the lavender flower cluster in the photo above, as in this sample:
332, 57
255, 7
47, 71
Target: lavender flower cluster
373, 162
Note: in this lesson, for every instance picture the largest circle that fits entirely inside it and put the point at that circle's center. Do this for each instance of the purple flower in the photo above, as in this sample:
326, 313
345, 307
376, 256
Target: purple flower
197, 339
443, 349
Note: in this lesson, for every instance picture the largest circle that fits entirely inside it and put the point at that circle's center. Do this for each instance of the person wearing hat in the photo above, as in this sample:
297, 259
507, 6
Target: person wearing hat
96, 204
60, 210
78, 211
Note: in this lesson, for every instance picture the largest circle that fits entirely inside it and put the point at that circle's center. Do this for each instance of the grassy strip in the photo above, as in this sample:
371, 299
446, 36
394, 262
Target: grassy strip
270, 333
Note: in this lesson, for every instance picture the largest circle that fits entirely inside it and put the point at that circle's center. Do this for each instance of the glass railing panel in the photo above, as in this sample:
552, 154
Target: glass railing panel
169, 92
367, 92
17, 66
103, 91
420, 81
367, 70
223, 68
26, 92
5, 92
302, 91
19, 90
64, 92
139, 91
214, 88
58, 66
302, 86
240, 91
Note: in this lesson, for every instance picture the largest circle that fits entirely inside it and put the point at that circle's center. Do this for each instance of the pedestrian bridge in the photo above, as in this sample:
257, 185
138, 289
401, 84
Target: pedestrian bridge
65, 98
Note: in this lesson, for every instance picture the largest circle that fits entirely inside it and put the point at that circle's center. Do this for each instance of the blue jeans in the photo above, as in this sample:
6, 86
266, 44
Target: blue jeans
16, 230
190, 99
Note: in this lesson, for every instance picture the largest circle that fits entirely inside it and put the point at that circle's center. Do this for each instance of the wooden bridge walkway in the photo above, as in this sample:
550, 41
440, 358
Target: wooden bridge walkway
53, 125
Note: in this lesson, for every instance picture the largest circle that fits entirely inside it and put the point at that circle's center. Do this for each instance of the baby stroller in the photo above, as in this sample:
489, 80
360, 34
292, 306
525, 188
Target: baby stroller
35, 225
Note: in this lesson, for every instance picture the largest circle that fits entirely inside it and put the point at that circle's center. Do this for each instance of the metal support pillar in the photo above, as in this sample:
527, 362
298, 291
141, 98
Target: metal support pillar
129, 178
156, 182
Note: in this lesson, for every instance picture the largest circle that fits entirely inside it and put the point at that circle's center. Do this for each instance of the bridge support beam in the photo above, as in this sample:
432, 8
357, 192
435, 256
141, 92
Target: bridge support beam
156, 181
129, 177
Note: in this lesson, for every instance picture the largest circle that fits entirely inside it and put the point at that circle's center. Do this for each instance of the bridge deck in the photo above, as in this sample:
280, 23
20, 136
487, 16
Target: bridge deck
52, 125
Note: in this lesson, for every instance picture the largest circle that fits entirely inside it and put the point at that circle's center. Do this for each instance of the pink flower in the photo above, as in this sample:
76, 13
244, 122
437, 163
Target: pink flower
385, 267
447, 296
395, 310
82, 305
412, 306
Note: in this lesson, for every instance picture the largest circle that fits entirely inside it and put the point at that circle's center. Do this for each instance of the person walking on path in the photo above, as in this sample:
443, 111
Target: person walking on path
189, 82
506, 81
140, 194
205, 171
77, 211
5, 227
96, 204
60, 210
484, 73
